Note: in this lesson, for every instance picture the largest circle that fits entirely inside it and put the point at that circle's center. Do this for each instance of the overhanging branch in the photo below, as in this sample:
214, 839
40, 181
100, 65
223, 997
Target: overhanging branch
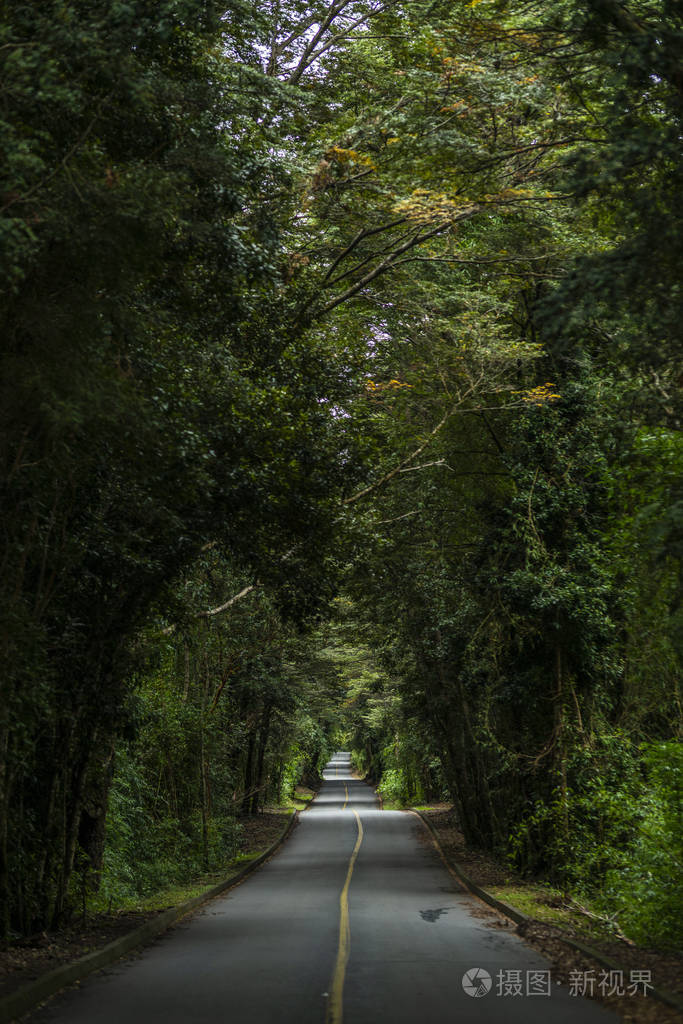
418, 238
216, 611
405, 462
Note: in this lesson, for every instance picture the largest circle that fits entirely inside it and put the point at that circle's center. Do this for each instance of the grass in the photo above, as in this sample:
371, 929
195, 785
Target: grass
178, 892
544, 903
301, 799
401, 805
174, 893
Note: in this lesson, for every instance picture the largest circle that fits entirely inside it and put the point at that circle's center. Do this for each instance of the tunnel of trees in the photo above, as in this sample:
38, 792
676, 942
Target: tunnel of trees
340, 404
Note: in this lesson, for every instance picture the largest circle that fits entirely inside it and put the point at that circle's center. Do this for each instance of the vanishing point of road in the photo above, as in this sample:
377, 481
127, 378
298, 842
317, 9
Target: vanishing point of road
354, 920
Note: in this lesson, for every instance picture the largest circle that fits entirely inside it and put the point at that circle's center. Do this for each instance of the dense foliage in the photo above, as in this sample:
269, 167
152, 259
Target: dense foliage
372, 297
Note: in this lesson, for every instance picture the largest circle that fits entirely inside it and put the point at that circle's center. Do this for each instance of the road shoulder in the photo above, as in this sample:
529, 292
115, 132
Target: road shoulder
566, 948
21, 995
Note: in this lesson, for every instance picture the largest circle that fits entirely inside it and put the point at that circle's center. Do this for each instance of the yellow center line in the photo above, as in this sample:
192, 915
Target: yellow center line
346, 790
335, 1006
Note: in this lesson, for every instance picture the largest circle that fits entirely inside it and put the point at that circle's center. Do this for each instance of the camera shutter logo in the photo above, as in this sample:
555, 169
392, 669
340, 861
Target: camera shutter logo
476, 982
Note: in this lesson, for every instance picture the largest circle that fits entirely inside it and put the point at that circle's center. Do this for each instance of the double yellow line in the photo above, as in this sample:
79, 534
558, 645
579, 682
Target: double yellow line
335, 1005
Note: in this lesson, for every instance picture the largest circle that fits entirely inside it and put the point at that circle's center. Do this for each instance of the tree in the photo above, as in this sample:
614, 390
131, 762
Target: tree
154, 394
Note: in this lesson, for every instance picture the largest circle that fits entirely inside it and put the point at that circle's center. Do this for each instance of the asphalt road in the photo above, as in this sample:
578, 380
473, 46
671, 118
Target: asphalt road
355, 919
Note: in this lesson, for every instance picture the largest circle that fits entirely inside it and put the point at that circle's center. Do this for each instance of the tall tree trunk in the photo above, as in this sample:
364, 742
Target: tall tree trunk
203, 773
264, 733
248, 775
203, 785
72, 820
561, 756
92, 825
5, 790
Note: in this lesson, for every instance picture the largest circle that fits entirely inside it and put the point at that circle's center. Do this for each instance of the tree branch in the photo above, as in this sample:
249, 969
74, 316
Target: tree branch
216, 611
473, 263
426, 465
391, 260
405, 462
309, 55
396, 519
360, 237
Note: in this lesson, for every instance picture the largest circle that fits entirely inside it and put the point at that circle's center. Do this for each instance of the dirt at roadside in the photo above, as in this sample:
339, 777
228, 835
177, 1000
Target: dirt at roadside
27, 960
666, 968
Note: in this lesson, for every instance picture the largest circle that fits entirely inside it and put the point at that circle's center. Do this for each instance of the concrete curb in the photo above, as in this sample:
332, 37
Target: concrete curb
36, 992
516, 915
669, 998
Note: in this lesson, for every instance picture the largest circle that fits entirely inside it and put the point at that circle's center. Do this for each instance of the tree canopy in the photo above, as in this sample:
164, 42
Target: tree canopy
339, 398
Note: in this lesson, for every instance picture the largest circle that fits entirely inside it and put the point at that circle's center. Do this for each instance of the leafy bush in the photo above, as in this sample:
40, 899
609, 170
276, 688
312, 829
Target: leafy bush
145, 852
578, 835
623, 848
648, 890
394, 786
291, 773
403, 772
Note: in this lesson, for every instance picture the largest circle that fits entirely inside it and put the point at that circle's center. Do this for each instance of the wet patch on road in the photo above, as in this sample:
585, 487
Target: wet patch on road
433, 915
